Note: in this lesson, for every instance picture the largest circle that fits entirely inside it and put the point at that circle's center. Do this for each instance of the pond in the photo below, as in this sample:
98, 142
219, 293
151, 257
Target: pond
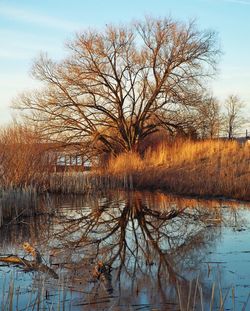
129, 251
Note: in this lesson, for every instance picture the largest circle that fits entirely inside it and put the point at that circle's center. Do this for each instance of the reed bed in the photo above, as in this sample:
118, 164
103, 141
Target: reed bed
204, 168
86, 183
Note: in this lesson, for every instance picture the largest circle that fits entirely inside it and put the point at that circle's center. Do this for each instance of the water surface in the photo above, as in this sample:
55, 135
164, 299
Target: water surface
136, 250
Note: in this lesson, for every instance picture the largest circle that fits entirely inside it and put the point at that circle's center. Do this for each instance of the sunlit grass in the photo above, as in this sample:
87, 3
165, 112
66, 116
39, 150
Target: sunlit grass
212, 167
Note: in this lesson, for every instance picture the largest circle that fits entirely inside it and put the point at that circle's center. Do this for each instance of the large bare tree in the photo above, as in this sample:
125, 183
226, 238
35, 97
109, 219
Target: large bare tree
119, 85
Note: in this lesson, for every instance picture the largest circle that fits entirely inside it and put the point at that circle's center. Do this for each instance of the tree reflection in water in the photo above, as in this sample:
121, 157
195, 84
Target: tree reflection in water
149, 246
152, 243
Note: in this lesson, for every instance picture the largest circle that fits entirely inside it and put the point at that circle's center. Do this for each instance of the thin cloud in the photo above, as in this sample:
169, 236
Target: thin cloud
34, 18
18, 45
246, 2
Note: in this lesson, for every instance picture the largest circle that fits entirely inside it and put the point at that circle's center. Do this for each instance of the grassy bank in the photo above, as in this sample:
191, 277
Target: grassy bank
203, 168
199, 168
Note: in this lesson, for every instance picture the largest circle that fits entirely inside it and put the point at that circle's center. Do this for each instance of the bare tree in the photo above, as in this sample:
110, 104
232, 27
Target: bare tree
233, 117
209, 118
122, 84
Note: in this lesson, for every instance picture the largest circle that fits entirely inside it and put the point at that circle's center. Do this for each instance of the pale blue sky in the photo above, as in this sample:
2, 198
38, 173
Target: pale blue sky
28, 27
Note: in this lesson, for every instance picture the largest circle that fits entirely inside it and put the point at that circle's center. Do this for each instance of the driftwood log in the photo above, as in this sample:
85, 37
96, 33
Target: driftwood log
35, 264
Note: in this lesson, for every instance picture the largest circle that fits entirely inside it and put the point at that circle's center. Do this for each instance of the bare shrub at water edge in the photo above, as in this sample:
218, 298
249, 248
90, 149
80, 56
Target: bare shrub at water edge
24, 170
24, 160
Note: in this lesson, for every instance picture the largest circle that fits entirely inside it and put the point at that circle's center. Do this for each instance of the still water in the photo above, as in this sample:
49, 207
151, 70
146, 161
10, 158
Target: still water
129, 251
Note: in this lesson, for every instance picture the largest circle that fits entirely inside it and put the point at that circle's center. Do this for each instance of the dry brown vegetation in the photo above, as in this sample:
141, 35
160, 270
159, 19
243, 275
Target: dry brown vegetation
23, 158
182, 166
206, 168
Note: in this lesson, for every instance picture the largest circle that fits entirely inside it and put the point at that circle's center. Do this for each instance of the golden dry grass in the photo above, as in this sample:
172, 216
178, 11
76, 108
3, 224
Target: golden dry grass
125, 163
207, 168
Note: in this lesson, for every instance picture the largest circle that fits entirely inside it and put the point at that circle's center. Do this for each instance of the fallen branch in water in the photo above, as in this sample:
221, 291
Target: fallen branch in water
35, 264
15, 260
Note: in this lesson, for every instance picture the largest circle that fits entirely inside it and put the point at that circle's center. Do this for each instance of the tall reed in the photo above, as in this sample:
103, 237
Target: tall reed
85, 183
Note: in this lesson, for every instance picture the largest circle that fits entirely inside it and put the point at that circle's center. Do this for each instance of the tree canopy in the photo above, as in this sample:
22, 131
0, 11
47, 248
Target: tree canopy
123, 83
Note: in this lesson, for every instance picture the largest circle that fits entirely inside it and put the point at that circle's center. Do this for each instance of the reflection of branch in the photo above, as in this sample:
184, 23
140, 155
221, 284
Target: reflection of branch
163, 257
